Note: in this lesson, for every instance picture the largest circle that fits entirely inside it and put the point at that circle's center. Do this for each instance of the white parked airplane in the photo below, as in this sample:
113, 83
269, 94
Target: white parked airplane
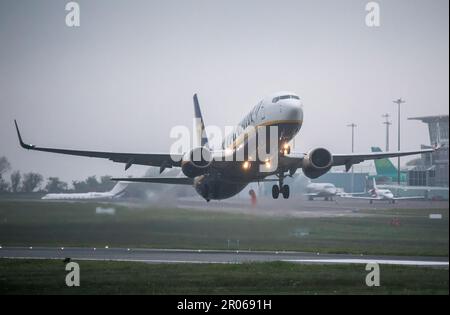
116, 192
321, 190
383, 195
325, 190
221, 178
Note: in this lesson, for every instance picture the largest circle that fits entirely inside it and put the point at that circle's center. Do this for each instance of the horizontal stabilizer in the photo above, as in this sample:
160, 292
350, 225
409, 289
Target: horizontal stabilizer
158, 180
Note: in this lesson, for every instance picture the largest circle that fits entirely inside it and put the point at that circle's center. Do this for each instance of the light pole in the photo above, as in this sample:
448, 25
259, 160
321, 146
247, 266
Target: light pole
399, 102
388, 124
353, 126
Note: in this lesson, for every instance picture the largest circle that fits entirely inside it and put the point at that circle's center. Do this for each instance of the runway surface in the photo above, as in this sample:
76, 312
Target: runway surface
209, 256
302, 208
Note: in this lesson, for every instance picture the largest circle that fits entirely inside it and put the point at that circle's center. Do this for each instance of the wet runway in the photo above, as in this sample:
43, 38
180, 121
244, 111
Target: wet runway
217, 257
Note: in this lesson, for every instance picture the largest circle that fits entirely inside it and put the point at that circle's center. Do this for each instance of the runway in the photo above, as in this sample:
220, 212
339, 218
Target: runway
210, 256
302, 208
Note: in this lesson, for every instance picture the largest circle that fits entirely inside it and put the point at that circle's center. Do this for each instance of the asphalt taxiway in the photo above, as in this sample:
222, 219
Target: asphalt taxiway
209, 256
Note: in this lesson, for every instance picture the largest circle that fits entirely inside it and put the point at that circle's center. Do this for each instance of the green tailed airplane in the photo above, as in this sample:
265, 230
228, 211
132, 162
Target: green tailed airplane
386, 171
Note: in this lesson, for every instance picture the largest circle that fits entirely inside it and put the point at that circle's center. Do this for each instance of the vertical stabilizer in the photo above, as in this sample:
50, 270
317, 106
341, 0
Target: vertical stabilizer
384, 167
200, 125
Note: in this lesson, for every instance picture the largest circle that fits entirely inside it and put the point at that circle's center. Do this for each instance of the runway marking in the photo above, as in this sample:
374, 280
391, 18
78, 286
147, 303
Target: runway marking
308, 261
209, 256
156, 261
368, 261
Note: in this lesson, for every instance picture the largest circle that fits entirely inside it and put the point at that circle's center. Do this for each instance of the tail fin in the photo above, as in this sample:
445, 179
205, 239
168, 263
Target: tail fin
200, 125
384, 167
119, 188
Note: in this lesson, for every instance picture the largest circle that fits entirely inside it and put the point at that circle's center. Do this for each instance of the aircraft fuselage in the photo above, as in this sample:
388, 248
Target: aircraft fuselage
275, 111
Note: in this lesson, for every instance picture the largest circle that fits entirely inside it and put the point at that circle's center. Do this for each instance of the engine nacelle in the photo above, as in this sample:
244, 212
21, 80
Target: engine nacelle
317, 162
196, 162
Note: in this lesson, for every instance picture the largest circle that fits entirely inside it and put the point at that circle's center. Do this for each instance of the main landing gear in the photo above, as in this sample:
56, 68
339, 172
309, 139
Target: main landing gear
283, 189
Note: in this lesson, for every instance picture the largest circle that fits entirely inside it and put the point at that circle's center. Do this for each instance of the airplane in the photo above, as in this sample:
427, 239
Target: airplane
215, 176
386, 170
116, 192
325, 190
383, 195
321, 190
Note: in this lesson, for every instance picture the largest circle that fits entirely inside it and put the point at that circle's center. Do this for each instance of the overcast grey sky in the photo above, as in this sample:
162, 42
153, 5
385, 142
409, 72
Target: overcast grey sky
122, 79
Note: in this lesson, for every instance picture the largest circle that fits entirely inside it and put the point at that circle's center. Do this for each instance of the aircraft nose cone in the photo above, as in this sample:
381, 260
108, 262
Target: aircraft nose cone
292, 112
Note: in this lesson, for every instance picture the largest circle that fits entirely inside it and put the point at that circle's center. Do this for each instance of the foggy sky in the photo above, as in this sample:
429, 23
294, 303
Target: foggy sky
127, 75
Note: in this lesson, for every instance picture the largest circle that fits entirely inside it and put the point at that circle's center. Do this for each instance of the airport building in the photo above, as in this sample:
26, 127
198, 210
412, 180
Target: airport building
344, 180
432, 169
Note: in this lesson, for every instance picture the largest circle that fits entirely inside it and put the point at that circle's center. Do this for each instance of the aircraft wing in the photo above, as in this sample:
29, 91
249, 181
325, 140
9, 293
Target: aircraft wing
406, 188
311, 194
410, 198
349, 159
180, 180
344, 194
295, 160
158, 180
362, 198
161, 160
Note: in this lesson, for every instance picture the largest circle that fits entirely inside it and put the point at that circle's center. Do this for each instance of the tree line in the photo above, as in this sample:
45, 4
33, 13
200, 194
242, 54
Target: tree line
32, 182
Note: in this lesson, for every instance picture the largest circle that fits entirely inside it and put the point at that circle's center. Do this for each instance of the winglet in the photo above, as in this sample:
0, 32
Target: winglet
438, 146
201, 125
22, 144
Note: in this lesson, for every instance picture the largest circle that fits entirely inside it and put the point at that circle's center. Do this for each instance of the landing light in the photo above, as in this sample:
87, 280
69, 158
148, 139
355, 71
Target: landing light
286, 149
268, 164
246, 165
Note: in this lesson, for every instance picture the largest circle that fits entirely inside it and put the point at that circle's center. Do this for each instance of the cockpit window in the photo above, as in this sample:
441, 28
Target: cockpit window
285, 97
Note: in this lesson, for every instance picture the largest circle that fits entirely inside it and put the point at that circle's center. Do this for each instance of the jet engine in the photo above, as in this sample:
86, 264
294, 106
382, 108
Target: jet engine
196, 162
317, 162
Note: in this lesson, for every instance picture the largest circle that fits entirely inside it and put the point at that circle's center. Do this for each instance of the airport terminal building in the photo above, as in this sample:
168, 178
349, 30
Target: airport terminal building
432, 169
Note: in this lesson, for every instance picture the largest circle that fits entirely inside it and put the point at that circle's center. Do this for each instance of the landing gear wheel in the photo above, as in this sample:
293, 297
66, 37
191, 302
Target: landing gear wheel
285, 191
275, 191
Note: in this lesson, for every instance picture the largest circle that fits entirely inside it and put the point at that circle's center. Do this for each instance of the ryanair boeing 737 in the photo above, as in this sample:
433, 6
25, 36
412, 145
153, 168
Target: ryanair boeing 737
217, 174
